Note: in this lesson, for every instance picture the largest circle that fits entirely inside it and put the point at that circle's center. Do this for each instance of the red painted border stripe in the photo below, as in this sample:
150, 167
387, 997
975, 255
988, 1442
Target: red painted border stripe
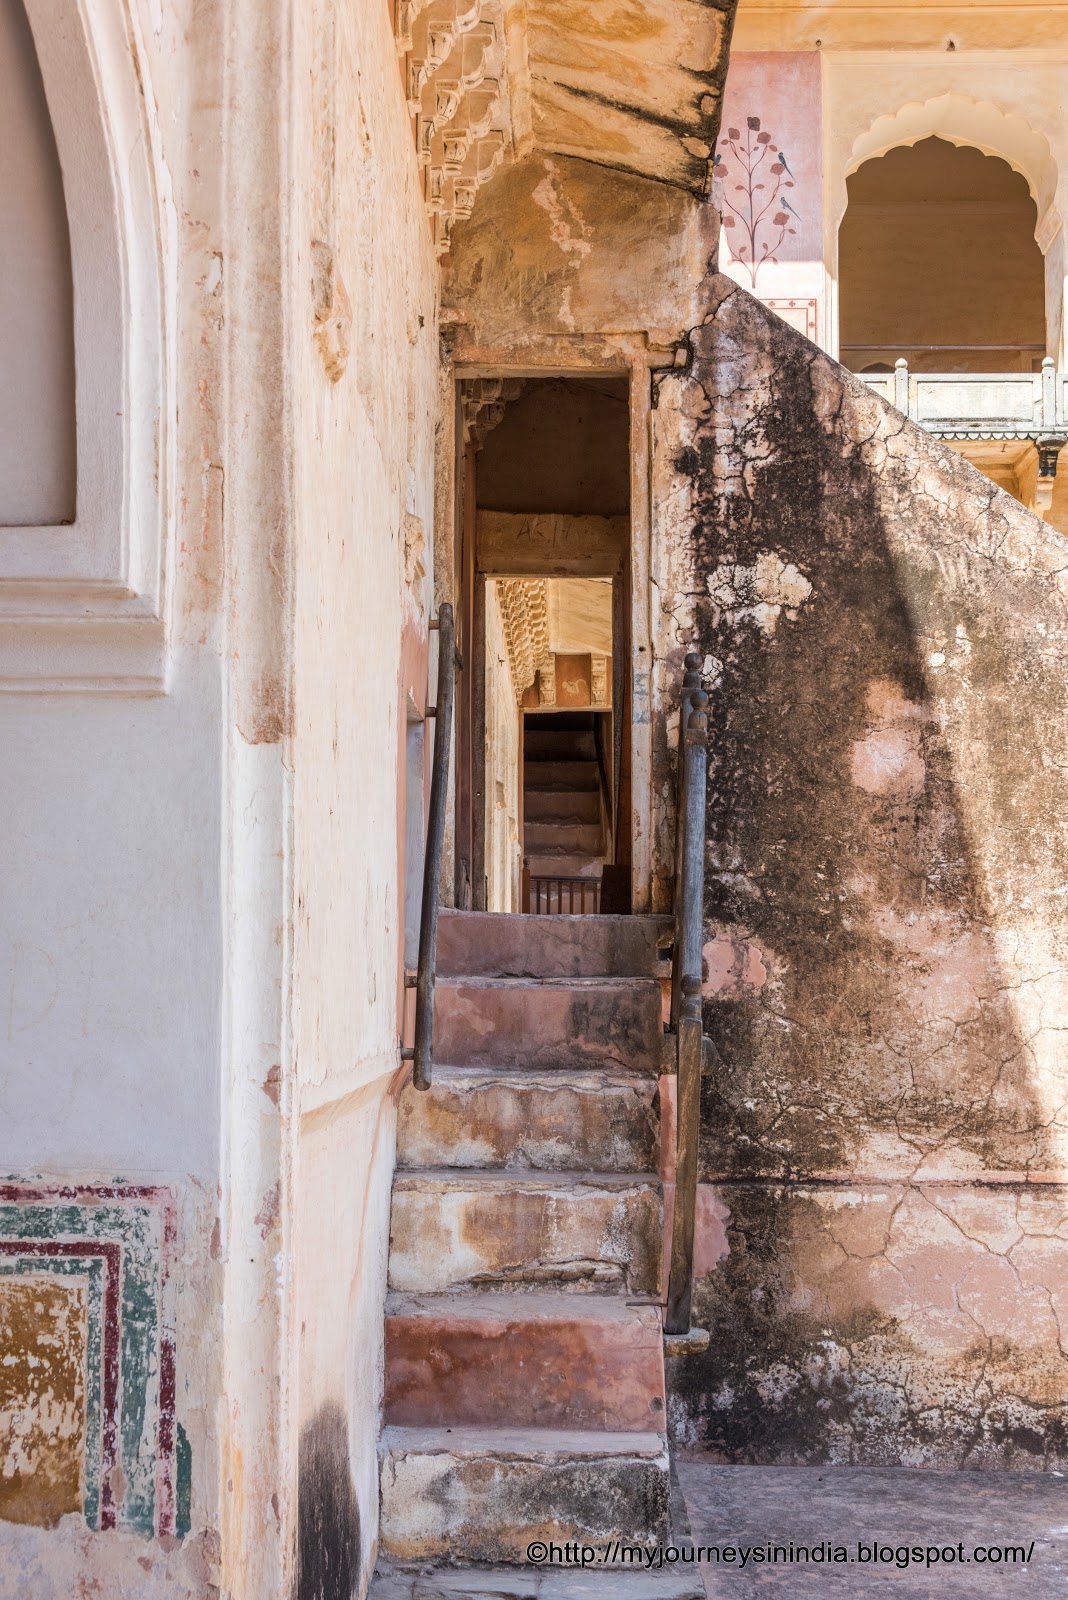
165, 1487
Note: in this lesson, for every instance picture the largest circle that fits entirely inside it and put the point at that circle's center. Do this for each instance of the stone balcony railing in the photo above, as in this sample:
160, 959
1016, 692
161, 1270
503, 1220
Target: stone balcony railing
972, 408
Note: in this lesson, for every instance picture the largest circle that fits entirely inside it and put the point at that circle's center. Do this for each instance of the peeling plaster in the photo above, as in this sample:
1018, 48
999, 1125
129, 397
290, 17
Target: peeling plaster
886, 937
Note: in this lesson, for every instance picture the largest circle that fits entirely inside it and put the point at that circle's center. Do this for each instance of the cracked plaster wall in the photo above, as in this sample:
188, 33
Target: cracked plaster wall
885, 640
365, 411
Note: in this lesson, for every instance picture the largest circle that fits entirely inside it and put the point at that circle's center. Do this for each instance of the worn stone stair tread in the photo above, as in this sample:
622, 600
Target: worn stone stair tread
580, 981
576, 777
556, 1021
583, 1232
536, 1119
537, 1583
592, 1079
556, 836
548, 1303
528, 1179
551, 862
545, 804
523, 1444
473, 943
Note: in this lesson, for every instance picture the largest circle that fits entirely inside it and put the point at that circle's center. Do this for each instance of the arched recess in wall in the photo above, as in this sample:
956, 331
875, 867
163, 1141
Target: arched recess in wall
984, 126
938, 263
82, 588
37, 418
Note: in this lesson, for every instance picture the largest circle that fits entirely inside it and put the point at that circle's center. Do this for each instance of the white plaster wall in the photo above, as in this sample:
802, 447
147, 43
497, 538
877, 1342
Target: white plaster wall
112, 916
365, 353
111, 921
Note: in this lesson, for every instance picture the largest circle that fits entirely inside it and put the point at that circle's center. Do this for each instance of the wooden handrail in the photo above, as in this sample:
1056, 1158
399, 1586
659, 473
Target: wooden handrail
686, 985
421, 1053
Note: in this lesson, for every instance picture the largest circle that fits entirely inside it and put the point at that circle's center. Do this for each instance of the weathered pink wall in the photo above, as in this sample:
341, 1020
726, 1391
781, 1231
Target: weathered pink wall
886, 641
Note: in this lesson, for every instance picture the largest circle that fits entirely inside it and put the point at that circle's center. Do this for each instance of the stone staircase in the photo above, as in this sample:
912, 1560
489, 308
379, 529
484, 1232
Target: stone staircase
563, 820
524, 1382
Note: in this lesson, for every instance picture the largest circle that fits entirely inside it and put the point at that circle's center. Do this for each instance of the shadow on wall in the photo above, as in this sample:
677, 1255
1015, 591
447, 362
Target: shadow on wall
328, 1515
885, 904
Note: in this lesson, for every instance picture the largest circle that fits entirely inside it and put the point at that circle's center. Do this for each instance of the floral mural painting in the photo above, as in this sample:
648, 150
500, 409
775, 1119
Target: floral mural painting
752, 175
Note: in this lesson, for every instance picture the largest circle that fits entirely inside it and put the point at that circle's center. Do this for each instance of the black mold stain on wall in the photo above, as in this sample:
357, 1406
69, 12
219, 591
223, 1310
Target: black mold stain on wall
887, 757
328, 1515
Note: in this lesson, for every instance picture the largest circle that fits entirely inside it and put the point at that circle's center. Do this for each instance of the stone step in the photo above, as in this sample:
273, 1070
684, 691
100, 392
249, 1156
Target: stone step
539, 1583
495, 1230
562, 806
523, 1361
559, 744
572, 775
562, 1022
566, 866
562, 839
488, 1117
495, 944
483, 1494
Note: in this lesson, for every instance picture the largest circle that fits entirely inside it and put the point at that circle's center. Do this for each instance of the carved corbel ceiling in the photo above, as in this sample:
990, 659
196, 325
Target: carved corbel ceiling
632, 84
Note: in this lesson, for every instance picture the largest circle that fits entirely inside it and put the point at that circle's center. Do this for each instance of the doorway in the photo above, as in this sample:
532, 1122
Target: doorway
543, 748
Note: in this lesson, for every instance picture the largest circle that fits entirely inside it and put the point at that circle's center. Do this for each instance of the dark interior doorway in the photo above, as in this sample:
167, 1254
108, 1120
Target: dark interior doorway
545, 607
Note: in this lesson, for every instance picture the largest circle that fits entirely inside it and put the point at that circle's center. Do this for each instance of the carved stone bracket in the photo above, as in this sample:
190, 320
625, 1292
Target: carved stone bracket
455, 70
483, 402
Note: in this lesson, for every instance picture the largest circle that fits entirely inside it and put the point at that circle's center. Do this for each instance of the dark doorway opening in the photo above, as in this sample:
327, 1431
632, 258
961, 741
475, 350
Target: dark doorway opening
545, 606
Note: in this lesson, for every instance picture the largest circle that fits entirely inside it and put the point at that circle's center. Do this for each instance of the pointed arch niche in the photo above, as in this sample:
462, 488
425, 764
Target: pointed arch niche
963, 121
83, 546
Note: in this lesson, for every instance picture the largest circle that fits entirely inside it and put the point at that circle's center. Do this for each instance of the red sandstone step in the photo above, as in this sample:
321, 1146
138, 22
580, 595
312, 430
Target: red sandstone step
486, 1117
561, 839
524, 1360
567, 866
503, 1230
572, 775
493, 944
562, 806
562, 1022
559, 744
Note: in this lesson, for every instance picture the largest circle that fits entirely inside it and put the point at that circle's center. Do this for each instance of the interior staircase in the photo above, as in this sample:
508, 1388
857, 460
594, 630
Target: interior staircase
524, 1382
564, 832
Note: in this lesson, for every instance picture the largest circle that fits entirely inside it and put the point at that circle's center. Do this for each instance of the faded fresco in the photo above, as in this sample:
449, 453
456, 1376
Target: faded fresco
87, 1375
767, 184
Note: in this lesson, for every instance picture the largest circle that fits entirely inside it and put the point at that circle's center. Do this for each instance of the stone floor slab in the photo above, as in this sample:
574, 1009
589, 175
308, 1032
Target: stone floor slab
892, 1507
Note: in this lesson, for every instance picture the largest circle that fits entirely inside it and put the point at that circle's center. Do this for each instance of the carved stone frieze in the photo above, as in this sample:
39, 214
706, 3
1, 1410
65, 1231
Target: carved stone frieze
525, 610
